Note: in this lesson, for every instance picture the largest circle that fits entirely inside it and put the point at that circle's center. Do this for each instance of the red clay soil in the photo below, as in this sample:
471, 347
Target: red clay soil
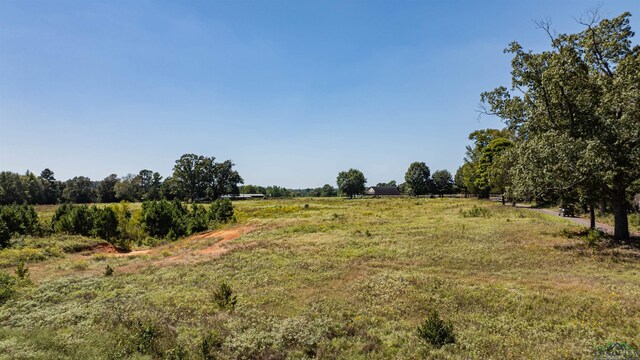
225, 236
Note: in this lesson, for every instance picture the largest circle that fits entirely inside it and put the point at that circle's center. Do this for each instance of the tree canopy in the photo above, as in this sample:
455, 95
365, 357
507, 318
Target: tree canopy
574, 110
418, 179
351, 182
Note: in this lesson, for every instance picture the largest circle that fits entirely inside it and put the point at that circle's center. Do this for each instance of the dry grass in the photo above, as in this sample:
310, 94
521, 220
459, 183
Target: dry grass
344, 279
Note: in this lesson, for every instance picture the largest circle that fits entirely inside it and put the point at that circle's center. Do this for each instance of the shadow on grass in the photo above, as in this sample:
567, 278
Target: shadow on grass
595, 243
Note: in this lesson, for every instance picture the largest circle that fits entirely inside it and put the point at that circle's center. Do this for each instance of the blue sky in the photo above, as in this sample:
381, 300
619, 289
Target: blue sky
292, 91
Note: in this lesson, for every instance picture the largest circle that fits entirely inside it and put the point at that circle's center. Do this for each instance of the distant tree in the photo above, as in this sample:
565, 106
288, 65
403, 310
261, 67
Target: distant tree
199, 177
248, 189
12, 189
106, 189
477, 167
418, 179
351, 182
149, 183
458, 181
443, 182
226, 180
391, 183
51, 190
79, 190
35, 189
328, 191
128, 188
277, 191
489, 155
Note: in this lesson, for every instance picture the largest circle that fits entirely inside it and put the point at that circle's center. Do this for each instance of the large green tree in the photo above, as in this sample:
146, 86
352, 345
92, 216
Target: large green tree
106, 189
442, 182
79, 190
580, 98
199, 177
418, 179
351, 182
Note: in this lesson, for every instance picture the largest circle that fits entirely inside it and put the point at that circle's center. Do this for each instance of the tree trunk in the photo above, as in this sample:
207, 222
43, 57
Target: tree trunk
592, 214
618, 203
503, 201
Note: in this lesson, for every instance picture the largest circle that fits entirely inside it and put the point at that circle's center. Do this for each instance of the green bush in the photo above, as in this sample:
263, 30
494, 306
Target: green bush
221, 211
436, 331
108, 270
105, 223
198, 219
73, 219
475, 211
18, 219
224, 298
7, 287
22, 271
164, 219
5, 235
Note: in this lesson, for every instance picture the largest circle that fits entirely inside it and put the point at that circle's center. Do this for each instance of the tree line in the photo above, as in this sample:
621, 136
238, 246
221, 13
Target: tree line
572, 124
418, 181
194, 178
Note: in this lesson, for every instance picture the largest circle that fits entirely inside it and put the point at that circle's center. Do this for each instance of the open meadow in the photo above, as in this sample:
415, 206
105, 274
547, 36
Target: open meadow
330, 278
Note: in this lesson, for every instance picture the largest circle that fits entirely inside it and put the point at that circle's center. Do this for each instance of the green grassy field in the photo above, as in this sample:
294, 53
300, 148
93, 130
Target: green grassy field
332, 279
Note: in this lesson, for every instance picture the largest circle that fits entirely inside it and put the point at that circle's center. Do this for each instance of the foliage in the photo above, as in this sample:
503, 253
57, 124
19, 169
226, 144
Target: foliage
79, 190
418, 179
436, 331
22, 271
221, 211
351, 182
579, 99
17, 219
442, 182
164, 219
224, 298
108, 270
5, 234
7, 287
475, 211
199, 178
106, 189
198, 219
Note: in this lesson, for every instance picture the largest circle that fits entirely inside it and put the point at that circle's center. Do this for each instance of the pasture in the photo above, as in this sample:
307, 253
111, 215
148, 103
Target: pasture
330, 278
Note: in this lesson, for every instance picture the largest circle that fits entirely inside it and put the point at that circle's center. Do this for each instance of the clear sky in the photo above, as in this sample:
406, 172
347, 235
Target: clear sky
292, 91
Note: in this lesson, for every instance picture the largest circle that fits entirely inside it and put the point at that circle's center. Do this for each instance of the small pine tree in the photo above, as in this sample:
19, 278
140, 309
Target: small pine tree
224, 298
22, 271
436, 331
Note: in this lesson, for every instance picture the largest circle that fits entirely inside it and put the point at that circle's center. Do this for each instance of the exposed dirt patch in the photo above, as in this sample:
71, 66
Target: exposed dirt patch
225, 236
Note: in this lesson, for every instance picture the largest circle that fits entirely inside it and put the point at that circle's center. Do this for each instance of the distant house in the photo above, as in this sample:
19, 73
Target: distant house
243, 196
383, 191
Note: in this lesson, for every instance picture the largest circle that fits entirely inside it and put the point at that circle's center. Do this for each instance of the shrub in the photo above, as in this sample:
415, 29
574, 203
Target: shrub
22, 271
164, 219
73, 219
210, 344
221, 211
7, 287
108, 271
105, 223
5, 235
129, 225
476, 211
594, 237
224, 298
436, 331
198, 219
19, 219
